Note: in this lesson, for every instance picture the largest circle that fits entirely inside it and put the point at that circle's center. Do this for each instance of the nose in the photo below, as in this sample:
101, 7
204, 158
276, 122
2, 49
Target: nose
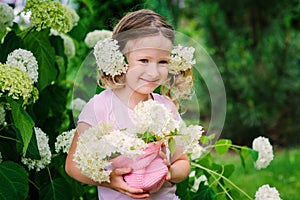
152, 70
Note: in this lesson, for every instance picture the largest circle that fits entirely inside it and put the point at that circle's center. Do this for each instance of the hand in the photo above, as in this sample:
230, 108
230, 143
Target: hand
117, 183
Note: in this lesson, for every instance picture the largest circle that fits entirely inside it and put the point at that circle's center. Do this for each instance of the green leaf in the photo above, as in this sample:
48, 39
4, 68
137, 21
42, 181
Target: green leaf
172, 145
205, 139
182, 190
222, 146
23, 122
11, 42
254, 154
204, 193
14, 181
33, 150
244, 153
57, 189
38, 43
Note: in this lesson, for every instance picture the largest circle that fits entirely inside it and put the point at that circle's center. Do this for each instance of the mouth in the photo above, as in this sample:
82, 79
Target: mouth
149, 81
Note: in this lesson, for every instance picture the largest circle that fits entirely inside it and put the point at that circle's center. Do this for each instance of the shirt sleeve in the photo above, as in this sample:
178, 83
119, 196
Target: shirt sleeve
96, 110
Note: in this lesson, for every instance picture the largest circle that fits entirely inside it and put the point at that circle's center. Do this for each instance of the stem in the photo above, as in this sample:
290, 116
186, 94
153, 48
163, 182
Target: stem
226, 179
9, 138
30, 181
49, 173
224, 189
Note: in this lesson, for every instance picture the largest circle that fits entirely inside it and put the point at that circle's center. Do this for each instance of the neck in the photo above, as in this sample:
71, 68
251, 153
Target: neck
131, 99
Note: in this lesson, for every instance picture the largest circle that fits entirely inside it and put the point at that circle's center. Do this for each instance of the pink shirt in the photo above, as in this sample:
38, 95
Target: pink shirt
106, 106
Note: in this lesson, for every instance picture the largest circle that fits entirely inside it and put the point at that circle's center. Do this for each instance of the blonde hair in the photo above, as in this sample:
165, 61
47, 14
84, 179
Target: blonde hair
139, 24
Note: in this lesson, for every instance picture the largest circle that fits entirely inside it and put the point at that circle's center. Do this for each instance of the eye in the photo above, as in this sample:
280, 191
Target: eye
164, 62
144, 60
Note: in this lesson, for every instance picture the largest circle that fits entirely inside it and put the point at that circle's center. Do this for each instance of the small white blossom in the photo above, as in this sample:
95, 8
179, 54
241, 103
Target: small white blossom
93, 37
266, 192
188, 137
197, 182
2, 115
182, 59
265, 152
44, 149
78, 104
64, 140
6, 16
109, 58
26, 61
197, 152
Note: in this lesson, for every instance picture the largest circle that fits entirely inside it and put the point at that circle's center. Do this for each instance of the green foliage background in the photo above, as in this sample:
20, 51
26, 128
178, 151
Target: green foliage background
255, 45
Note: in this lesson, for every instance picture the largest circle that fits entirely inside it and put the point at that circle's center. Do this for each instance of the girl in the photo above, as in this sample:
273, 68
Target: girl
146, 40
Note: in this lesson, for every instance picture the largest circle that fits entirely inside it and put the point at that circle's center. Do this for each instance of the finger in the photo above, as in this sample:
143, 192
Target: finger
122, 171
137, 195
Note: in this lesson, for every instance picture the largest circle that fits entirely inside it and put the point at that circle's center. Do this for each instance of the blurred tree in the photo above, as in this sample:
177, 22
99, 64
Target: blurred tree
256, 45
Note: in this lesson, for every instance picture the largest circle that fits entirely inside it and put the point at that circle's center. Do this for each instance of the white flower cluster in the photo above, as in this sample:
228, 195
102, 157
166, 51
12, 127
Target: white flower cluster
78, 104
266, 192
99, 144
2, 115
153, 117
64, 140
109, 58
93, 37
6, 16
265, 152
182, 59
44, 149
189, 137
26, 61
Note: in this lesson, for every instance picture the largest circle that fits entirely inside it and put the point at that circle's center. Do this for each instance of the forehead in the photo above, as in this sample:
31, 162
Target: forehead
158, 42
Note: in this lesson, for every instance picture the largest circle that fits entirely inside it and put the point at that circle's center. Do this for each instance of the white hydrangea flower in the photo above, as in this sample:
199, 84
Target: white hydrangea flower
266, 192
197, 152
182, 59
6, 16
93, 37
78, 104
44, 149
265, 152
188, 137
154, 117
109, 58
64, 140
2, 115
26, 61
100, 143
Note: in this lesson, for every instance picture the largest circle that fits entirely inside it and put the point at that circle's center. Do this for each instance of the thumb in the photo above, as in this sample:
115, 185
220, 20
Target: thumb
121, 171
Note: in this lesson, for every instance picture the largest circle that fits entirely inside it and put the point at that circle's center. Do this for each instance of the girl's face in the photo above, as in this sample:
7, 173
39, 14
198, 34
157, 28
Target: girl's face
148, 60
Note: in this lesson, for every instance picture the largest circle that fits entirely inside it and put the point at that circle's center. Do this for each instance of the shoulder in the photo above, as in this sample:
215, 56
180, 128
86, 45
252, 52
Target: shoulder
165, 100
96, 108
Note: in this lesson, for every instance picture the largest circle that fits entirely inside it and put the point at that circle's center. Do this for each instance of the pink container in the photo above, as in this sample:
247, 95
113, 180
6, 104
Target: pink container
148, 170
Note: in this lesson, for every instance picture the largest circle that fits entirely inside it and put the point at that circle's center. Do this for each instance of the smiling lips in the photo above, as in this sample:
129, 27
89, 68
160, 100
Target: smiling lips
149, 81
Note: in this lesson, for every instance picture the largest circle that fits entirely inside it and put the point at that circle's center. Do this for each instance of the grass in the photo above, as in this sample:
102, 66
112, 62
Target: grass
283, 173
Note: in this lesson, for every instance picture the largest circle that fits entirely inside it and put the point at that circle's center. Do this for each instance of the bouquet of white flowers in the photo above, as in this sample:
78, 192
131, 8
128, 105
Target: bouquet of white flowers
100, 148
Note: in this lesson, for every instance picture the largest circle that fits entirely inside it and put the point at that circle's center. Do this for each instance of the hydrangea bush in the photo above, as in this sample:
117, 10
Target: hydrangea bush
36, 119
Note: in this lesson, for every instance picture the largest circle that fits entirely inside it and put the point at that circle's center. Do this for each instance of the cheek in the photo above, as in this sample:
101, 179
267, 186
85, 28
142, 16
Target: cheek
164, 72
